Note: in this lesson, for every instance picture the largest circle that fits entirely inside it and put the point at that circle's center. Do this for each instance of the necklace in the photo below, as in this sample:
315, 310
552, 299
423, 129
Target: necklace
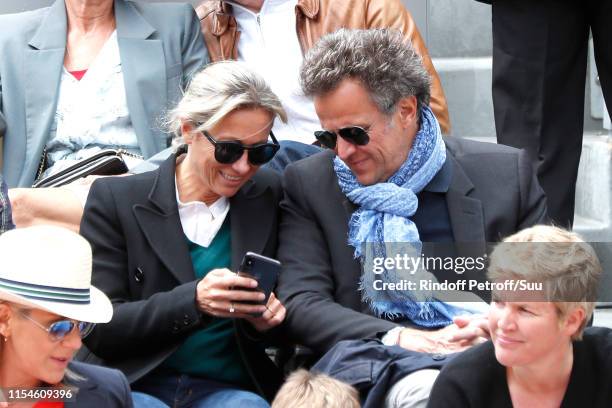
79, 56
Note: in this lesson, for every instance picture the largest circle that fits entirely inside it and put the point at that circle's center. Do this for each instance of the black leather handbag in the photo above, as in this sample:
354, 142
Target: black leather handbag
107, 162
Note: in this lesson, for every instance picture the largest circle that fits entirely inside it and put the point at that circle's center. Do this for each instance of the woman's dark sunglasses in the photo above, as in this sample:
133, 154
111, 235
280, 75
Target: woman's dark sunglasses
227, 152
60, 329
352, 134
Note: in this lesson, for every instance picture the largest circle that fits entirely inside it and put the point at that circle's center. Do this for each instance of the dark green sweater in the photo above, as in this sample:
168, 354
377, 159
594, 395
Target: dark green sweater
212, 352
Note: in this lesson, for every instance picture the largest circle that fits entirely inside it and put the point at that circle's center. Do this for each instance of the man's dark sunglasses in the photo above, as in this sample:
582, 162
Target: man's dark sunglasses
352, 134
227, 152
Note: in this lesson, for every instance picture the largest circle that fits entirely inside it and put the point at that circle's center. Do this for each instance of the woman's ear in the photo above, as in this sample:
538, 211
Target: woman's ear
5, 318
574, 320
187, 131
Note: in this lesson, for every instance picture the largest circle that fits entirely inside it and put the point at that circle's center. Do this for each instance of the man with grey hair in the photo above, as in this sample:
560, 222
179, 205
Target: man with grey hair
388, 176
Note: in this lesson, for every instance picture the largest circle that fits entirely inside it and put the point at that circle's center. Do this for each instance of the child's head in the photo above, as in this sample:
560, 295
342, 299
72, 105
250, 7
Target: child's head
304, 389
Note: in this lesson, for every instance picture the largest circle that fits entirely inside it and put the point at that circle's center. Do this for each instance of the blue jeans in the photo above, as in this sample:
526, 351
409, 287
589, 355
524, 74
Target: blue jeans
183, 391
289, 152
142, 400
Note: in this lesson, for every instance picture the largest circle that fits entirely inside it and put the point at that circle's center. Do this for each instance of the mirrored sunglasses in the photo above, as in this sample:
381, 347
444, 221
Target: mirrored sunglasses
60, 329
353, 134
228, 152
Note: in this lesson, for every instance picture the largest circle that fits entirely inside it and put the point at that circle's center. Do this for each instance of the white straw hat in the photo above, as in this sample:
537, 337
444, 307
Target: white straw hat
49, 268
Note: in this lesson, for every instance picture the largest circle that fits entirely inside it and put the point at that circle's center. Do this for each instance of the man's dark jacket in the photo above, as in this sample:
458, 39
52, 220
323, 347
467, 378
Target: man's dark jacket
493, 193
141, 261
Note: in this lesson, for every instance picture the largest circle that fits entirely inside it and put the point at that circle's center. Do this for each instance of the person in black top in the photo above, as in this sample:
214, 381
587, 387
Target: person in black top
538, 354
476, 379
166, 244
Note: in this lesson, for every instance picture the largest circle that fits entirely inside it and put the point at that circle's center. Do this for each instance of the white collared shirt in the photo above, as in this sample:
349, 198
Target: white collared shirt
92, 113
269, 44
201, 222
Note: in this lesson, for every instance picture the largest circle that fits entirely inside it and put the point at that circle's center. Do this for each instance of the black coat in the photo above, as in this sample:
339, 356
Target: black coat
142, 262
99, 387
475, 379
493, 193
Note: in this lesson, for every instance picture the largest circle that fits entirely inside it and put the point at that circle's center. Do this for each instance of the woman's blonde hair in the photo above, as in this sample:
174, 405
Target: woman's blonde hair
217, 90
567, 267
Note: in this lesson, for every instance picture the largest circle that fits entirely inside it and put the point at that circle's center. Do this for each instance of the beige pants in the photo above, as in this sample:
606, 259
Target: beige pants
412, 391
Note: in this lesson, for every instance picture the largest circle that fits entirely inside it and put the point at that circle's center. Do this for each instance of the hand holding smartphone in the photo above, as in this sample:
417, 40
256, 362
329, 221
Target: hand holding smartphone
263, 269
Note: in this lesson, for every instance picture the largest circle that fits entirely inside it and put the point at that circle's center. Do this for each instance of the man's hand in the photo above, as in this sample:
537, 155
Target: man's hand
473, 329
272, 317
436, 341
465, 332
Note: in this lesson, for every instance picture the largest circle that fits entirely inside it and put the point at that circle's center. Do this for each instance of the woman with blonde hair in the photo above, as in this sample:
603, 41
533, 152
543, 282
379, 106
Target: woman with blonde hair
540, 354
47, 304
167, 245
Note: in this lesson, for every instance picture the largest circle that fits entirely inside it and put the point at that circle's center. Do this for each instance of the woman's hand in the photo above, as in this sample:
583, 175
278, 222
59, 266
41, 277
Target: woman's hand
272, 317
219, 294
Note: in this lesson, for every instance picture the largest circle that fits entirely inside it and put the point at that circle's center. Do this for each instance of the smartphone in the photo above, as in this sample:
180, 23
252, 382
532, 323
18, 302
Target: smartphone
263, 269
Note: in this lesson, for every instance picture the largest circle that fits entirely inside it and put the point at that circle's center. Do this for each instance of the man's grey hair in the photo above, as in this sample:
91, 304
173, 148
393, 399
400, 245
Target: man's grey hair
386, 65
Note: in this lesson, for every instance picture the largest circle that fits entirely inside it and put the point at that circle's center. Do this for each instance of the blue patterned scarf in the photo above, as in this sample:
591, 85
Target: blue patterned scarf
382, 227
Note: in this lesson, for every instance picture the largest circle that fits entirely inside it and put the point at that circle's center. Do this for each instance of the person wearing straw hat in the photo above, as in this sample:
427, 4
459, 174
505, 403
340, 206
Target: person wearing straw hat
47, 304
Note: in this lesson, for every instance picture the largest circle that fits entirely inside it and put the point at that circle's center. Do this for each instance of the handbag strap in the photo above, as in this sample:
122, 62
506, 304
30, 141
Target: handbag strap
42, 165
124, 152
